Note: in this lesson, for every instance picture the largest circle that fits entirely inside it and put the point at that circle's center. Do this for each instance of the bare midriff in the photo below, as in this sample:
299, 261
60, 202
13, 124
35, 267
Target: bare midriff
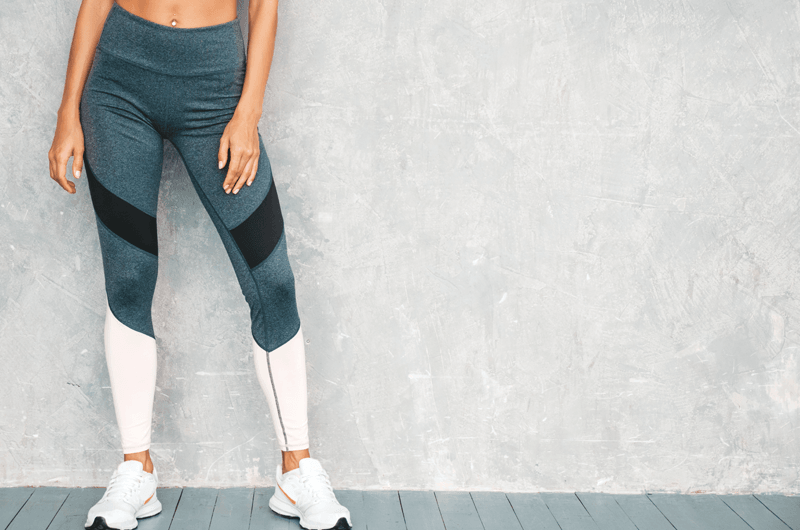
182, 13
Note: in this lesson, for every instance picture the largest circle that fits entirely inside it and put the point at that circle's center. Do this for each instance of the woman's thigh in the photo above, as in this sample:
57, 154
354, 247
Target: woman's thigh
250, 224
122, 161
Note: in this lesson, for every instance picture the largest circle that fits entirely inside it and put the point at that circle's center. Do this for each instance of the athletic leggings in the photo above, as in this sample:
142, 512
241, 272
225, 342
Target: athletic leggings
150, 82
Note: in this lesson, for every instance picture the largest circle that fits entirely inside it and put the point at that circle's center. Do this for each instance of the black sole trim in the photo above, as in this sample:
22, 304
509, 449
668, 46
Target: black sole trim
99, 523
341, 524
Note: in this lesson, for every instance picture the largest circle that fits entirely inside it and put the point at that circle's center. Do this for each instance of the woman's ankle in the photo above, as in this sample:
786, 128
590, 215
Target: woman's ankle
143, 457
291, 459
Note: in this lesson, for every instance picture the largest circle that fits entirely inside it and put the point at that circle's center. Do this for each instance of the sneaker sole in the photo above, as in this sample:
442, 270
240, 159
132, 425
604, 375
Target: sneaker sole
155, 508
290, 512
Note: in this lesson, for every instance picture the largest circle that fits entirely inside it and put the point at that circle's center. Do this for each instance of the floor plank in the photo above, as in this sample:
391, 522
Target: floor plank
263, 518
382, 510
40, 509
642, 512
568, 511
458, 511
495, 511
421, 511
194, 509
353, 500
697, 512
607, 514
169, 499
532, 512
753, 512
233, 509
786, 508
73, 512
11, 502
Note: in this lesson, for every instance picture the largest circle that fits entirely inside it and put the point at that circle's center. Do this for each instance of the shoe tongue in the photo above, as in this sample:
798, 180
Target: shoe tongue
309, 466
130, 466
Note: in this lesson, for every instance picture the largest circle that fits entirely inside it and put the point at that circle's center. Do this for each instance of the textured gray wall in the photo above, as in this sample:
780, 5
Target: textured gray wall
539, 245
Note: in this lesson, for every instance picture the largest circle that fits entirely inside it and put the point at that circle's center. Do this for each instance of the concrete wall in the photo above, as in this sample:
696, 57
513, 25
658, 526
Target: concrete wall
539, 245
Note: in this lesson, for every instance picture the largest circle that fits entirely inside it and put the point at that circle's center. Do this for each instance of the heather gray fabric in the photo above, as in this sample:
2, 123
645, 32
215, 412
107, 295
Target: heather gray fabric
150, 82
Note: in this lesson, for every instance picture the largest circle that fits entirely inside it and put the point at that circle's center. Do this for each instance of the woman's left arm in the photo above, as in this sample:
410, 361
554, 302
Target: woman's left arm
241, 133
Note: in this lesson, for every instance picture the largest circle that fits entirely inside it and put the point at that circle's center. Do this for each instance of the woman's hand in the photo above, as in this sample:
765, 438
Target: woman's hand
67, 142
241, 137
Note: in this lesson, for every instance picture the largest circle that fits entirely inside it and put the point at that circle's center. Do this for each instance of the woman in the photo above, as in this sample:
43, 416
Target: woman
140, 71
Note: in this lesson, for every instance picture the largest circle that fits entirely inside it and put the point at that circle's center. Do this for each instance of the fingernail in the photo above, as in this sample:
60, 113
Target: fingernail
78, 174
221, 164
235, 192
226, 186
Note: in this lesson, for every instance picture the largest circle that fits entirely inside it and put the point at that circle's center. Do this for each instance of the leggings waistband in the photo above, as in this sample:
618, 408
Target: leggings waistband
176, 51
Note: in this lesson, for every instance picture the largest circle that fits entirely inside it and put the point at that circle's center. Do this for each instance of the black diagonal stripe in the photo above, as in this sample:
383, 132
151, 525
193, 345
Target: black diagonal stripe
257, 235
121, 217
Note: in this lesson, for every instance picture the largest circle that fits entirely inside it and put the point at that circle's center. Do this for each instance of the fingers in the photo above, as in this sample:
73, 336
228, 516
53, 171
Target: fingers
241, 158
246, 174
77, 164
58, 169
222, 156
252, 176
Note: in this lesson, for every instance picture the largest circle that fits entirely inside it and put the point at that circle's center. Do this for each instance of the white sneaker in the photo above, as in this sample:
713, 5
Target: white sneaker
306, 493
131, 494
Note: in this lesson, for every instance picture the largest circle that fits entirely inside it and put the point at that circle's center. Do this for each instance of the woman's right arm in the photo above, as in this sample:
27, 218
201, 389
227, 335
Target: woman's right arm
68, 139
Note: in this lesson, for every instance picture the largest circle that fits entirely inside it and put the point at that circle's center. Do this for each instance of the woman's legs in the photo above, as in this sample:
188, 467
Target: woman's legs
148, 83
251, 227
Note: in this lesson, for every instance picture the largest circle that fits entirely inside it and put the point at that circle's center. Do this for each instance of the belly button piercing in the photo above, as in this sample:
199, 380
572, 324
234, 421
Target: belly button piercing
174, 22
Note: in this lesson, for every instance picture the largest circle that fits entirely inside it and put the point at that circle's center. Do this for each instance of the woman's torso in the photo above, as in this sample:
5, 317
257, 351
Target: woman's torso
184, 13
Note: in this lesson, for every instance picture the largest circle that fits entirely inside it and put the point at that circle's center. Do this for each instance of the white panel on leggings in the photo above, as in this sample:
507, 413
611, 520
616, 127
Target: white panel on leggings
131, 360
283, 376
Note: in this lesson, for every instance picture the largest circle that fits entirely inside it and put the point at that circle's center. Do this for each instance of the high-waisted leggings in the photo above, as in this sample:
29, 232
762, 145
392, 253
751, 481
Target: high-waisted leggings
149, 82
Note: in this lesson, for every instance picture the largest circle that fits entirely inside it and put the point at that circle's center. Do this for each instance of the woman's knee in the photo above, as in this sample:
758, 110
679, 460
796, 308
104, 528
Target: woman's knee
130, 296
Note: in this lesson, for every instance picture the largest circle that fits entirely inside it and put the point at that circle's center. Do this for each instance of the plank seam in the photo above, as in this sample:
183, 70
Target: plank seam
21, 507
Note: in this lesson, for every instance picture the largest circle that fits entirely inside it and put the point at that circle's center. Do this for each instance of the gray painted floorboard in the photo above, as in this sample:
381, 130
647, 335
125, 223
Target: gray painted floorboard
421, 511
40, 509
382, 510
698, 512
643, 512
169, 498
607, 514
263, 518
753, 512
786, 508
495, 511
679, 513
194, 509
353, 500
247, 508
532, 512
11, 502
568, 511
458, 511
72, 514
233, 509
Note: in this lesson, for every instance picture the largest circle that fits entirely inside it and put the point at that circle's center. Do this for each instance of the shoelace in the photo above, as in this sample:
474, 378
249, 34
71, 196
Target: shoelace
122, 486
319, 485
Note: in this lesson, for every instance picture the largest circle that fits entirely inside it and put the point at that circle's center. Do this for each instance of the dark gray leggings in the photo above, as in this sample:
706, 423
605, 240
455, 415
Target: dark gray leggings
149, 82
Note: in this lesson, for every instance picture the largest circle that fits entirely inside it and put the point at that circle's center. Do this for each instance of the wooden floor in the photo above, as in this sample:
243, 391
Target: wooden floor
243, 508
